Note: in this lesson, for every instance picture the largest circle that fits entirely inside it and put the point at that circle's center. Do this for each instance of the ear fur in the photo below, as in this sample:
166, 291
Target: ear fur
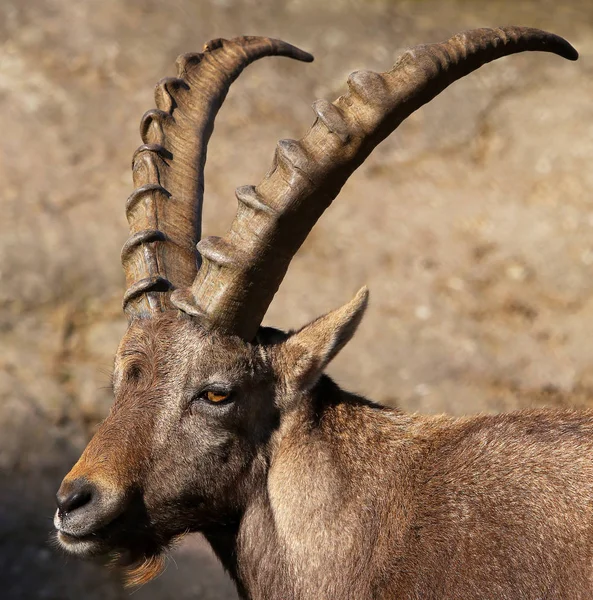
306, 353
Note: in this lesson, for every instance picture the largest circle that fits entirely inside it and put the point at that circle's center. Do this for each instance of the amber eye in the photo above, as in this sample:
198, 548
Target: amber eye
215, 397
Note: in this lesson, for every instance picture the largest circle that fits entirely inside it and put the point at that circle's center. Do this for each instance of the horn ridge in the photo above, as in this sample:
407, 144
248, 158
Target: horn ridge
164, 212
307, 175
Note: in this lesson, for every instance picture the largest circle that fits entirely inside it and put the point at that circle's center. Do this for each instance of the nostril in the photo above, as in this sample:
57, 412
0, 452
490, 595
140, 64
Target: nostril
76, 500
74, 495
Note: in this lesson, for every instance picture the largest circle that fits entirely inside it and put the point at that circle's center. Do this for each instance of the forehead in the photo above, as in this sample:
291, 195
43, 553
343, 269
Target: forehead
173, 340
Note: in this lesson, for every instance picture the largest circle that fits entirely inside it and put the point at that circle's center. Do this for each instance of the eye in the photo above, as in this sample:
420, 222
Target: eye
214, 396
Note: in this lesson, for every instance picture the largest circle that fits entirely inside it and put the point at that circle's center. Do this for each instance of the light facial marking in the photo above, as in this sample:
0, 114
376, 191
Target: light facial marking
81, 546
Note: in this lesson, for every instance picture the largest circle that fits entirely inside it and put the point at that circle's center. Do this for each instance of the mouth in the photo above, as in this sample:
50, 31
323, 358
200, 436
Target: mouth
137, 567
118, 542
87, 546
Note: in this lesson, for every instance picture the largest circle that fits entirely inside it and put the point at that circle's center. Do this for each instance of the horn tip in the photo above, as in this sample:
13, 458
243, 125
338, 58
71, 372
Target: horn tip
286, 49
305, 56
570, 52
562, 47
557, 44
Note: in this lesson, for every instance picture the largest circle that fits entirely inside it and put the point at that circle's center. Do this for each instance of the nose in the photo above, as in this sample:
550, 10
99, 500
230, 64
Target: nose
74, 495
86, 505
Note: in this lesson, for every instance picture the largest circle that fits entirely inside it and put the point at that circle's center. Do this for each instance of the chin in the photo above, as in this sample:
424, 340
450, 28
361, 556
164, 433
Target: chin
137, 562
82, 547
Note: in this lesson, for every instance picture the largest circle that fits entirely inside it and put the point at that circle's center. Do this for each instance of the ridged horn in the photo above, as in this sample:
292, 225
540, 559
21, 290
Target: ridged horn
241, 272
164, 212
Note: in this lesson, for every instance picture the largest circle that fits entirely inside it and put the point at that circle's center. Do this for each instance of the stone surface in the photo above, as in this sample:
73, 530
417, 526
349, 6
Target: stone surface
472, 226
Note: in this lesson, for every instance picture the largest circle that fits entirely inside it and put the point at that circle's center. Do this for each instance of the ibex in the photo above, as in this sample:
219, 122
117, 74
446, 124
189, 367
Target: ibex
231, 429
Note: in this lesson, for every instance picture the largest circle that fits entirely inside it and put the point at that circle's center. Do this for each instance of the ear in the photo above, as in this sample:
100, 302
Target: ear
306, 353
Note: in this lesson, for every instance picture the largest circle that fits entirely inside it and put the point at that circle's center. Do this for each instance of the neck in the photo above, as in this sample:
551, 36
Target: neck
223, 541
304, 523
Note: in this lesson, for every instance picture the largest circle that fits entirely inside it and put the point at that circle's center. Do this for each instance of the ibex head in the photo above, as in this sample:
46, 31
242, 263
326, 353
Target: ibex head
190, 434
201, 391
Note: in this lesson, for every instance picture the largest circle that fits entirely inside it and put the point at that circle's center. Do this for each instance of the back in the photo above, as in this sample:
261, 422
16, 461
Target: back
504, 510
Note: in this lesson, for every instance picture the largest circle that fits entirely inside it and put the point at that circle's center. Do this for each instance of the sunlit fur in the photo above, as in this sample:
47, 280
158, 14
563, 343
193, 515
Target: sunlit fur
148, 569
152, 450
306, 491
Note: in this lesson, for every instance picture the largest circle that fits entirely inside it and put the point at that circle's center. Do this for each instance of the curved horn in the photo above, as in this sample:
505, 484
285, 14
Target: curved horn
164, 212
241, 272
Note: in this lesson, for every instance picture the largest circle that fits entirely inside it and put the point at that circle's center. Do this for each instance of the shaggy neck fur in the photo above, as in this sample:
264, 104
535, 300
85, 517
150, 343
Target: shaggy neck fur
418, 524
308, 540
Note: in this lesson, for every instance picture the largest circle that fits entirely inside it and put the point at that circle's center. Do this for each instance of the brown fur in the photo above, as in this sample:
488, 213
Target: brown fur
303, 490
146, 571
307, 491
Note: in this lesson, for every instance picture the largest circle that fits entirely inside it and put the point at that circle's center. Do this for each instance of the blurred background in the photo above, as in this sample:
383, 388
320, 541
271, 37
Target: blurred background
472, 226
